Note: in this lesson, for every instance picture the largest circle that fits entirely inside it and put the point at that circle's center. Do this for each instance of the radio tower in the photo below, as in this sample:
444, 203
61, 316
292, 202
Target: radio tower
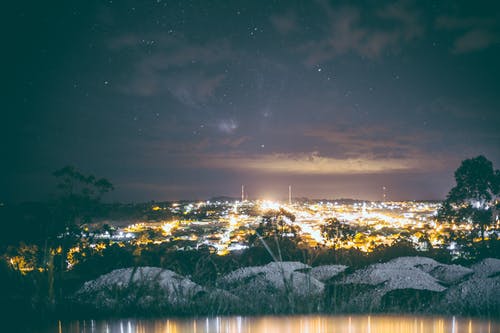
242, 193
289, 194
384, 193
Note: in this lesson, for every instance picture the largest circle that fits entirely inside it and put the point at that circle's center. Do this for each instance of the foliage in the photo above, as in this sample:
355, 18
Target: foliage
23, 257
78, 201
79, 195
337, 232
278, 223
474, 197
43, 236
278, 234
275, 225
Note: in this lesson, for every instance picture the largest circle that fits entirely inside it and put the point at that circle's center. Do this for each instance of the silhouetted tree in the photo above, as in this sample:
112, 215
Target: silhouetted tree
78, 200
474, 199
79, 195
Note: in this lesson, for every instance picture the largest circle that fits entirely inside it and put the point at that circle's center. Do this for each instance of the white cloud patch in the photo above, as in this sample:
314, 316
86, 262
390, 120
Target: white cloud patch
227, 126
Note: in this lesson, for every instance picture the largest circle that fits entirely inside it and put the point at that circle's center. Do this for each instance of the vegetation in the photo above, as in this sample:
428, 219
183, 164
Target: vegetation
475, 195
337, 232
38, 239
474, 199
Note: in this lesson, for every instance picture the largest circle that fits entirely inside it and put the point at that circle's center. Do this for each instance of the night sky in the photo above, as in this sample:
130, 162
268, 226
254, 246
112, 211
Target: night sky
190, 99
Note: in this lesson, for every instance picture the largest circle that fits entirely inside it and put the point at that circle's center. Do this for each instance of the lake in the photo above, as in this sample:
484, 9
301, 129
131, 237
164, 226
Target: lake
290, 324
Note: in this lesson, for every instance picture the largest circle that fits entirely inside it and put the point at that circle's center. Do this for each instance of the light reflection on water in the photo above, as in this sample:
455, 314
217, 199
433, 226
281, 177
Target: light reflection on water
293, 324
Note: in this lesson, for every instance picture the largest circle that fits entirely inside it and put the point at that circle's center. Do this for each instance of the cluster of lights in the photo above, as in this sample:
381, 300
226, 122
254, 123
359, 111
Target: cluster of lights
227, 225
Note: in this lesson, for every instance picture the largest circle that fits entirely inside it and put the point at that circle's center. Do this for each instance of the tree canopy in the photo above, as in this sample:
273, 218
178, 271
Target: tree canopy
474, 198
79, 196
336, 231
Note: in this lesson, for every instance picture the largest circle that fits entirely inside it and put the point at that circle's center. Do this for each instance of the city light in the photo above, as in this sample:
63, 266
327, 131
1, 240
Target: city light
225, 227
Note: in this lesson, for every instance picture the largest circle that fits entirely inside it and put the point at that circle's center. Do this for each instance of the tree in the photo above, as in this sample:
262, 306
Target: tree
474, 199
278, 223
336, 231
78, 201
79, 195
278, 227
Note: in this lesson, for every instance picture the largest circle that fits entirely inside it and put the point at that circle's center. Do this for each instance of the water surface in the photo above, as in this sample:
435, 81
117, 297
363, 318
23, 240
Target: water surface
291, 324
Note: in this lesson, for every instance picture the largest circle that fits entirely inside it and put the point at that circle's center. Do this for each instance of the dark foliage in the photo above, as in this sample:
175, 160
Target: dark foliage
474, 197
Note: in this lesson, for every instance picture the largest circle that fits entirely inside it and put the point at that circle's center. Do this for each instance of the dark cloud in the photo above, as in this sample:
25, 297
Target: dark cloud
187, 71
475, 40
472, 33
379, 142
353, 30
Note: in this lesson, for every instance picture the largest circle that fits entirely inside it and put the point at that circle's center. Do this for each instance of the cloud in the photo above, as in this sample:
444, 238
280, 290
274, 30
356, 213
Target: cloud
186, 70
124, 41
227, 126
189, 87
285, 23
474, 40
376, 141
448, 22
193, 89
350, 32
472, 33
234, 142
173, 50
314, 164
